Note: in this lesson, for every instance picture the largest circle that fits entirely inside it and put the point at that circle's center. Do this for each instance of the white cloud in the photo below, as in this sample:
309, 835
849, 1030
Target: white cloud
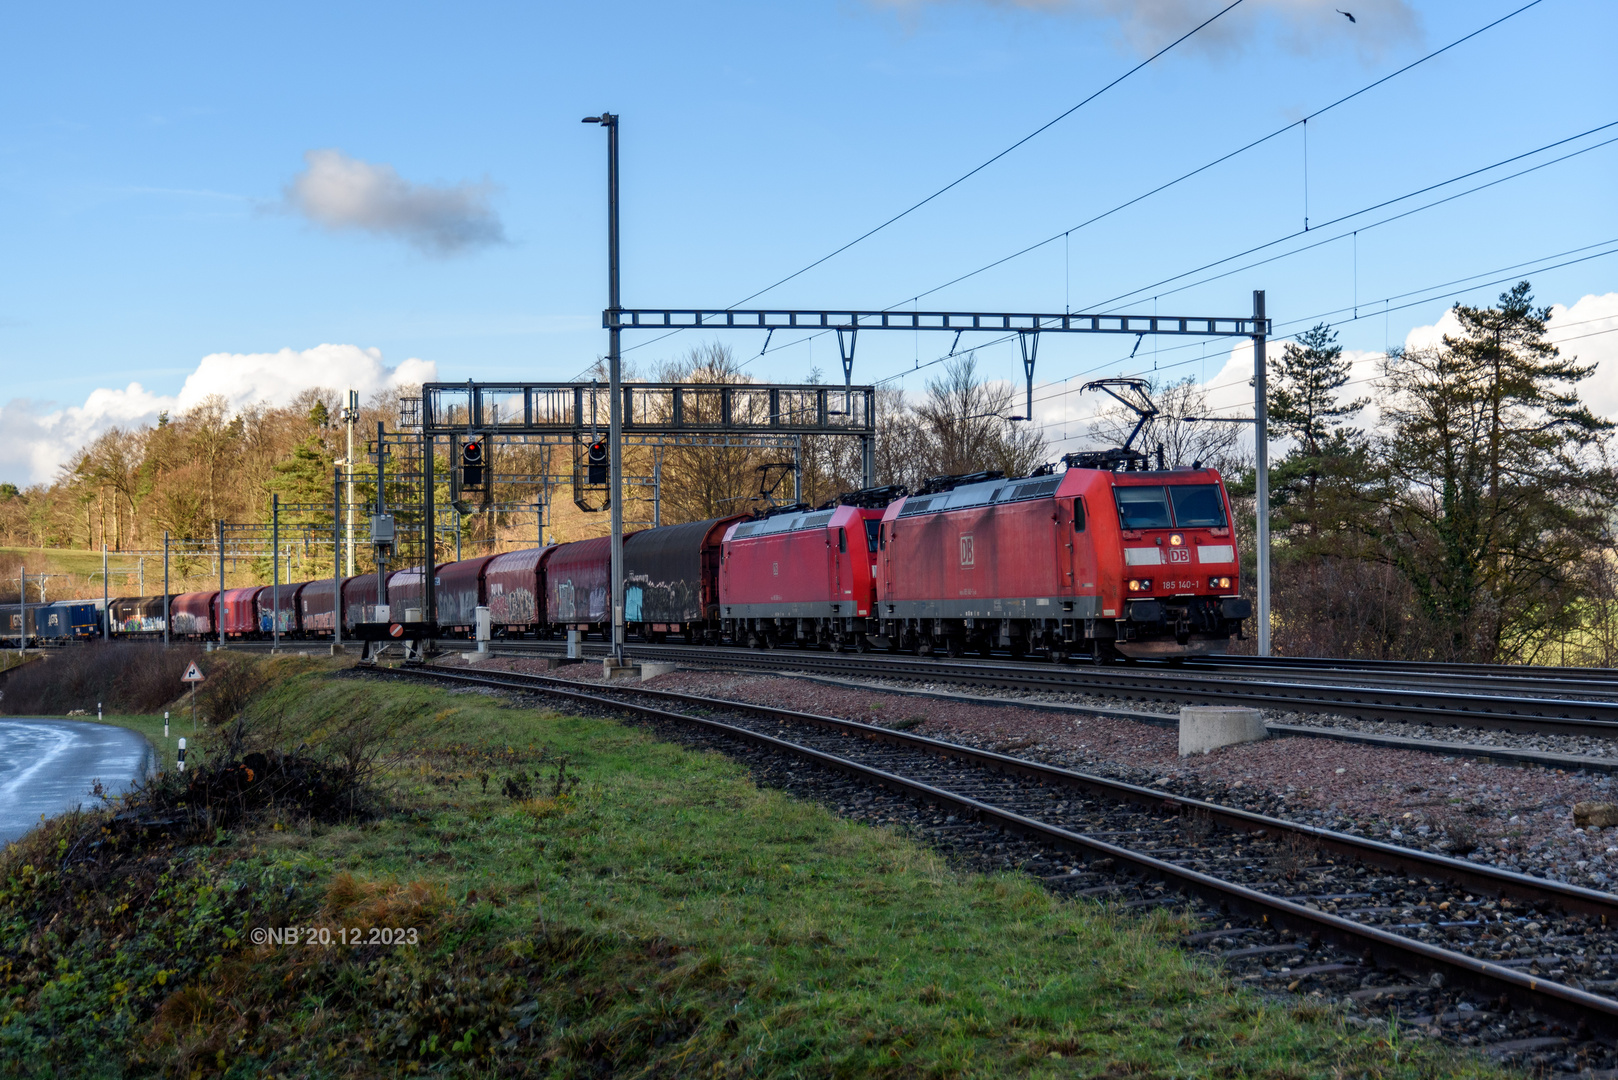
40, 439
340, 192
1588, 331
1303, 25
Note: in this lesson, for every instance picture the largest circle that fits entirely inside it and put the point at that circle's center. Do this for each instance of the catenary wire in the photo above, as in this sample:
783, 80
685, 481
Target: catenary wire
1103, 306
1020, 142
1336, 221
1218, 160
1050, 395
1163, 187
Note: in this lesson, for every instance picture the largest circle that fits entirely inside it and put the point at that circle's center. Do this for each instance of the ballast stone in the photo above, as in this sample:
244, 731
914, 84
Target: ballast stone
1205, 728
1600, 815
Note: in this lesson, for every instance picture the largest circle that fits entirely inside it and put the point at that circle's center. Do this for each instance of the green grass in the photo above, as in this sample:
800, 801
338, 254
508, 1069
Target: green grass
662, 916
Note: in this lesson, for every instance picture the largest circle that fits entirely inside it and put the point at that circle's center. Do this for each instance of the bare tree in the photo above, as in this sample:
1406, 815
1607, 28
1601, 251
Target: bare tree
963, 425
1214, 444
701, 482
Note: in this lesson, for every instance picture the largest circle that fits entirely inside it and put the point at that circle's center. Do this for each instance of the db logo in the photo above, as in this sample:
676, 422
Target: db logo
1179, 555
968, 556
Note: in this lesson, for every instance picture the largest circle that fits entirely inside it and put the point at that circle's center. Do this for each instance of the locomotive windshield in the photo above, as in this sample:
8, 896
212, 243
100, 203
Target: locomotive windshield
1196, 506
1143, 508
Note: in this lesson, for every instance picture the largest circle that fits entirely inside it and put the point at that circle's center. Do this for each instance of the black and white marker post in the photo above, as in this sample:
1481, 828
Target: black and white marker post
182, 753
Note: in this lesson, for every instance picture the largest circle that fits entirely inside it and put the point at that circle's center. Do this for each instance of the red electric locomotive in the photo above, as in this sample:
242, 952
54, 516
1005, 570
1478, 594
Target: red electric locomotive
804, 577
1090, 560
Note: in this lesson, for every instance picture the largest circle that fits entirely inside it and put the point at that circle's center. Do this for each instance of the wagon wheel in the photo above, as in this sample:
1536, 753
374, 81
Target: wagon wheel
954, 647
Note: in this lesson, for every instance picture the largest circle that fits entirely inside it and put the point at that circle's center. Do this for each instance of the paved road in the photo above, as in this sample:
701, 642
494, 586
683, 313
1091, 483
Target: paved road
48, 766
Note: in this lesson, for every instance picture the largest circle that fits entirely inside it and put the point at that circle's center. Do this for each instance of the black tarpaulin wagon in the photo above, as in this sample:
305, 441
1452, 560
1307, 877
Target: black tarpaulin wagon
671, 579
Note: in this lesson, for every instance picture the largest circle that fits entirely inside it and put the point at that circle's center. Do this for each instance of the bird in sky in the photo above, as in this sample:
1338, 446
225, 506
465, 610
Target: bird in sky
1346, 14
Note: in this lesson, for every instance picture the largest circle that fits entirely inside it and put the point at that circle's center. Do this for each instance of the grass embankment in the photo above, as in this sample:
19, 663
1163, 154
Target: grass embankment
589, 901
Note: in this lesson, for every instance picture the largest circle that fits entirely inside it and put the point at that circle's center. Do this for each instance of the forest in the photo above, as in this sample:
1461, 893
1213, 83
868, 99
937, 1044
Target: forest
1460, 509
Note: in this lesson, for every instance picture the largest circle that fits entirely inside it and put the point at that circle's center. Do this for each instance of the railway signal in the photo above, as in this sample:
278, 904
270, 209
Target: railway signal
472, 468
598, 462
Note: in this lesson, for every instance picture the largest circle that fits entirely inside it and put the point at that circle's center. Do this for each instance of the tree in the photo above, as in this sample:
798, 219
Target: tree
1214, 444
1304, 406
1304, 381
1495, 486
963, 429
701, 482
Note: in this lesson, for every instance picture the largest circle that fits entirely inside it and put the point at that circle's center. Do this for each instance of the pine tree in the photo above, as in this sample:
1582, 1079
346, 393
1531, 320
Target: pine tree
1496, 486
1304, 381
1304, 406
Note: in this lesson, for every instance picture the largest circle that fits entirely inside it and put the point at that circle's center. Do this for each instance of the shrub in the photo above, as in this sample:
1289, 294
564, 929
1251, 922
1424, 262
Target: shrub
121, 677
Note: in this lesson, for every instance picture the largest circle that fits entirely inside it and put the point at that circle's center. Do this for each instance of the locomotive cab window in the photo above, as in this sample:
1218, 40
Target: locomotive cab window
842, 540
1197, 506
1078, 515
1142, 508
873, 532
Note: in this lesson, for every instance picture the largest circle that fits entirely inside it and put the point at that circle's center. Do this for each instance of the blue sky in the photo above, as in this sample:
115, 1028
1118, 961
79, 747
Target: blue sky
150, 164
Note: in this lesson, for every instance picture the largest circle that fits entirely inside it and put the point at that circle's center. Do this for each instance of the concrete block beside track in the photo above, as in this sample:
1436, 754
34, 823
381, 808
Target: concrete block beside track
1205, 728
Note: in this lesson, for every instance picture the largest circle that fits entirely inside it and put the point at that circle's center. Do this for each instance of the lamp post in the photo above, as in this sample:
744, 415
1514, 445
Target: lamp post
615, 420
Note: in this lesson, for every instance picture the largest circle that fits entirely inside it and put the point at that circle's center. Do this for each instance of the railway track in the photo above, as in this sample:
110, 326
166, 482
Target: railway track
1285, 904
1444, 706
1440, 698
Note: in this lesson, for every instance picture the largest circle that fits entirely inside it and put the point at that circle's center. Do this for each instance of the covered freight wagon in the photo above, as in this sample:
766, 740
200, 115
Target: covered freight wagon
459, 590
407, 599
514, 589
192, 614
578, 586
671, 578
20, 624
238, 614
69, 620
360, 599
278, 608
137, 615
315, 604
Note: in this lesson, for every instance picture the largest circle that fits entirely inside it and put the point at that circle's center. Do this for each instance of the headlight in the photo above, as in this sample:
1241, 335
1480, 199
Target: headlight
1175, 539
1219, 583
1140, 584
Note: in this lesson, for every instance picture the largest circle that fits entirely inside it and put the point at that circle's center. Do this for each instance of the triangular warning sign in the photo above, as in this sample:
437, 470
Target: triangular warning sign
192, 673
